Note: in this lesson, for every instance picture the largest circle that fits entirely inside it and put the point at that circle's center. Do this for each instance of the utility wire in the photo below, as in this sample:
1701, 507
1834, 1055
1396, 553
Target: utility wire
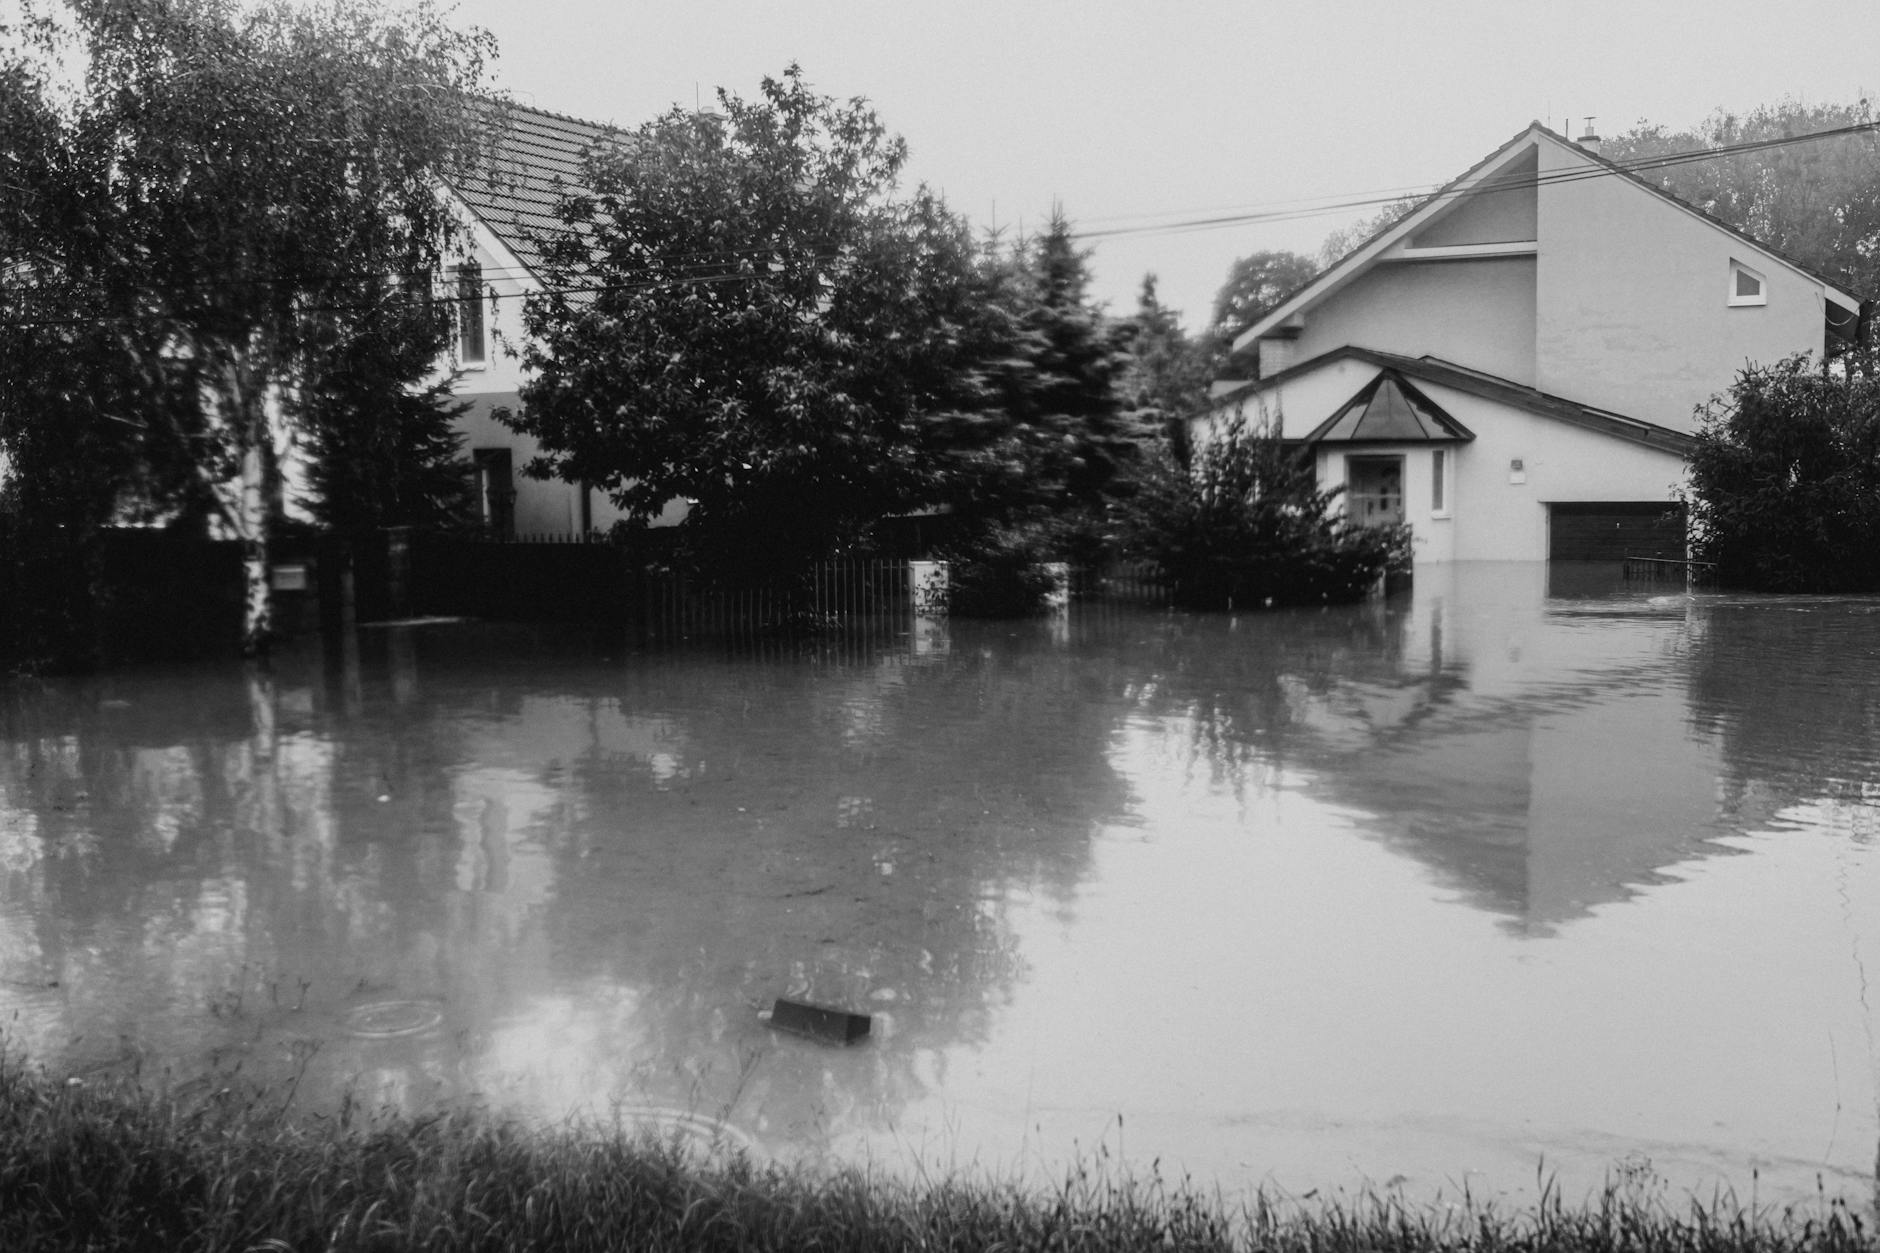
704, 268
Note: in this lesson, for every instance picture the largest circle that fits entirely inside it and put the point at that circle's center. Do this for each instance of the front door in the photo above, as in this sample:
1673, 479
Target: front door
1374, 490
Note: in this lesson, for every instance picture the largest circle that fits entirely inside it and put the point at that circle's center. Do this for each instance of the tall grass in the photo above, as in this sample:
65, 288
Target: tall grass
124, 1167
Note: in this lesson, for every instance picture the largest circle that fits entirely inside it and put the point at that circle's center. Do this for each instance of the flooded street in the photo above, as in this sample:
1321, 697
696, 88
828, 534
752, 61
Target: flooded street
1499, 879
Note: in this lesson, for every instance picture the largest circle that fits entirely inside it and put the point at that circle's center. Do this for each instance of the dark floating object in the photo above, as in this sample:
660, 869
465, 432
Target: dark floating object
818, 1022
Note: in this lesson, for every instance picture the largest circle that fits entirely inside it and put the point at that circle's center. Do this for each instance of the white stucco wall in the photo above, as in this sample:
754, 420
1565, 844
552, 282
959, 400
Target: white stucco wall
1480, 312
1503, 212
543, 507
1490, 517
1633, 311
1496, 519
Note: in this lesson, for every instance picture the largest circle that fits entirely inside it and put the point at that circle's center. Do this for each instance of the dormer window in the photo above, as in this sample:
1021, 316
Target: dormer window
470, 349
1747, 286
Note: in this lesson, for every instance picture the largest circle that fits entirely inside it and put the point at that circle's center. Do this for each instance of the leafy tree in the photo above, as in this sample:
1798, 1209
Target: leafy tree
1817, 201
1245, 523
1784, 488
230, 190
745, 313
1347, 239
1254, 285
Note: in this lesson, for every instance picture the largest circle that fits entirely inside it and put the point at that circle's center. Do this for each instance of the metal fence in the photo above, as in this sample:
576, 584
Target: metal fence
1668, 570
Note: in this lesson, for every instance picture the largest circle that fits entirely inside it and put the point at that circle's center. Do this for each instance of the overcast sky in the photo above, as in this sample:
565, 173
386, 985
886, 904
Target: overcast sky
1134, 114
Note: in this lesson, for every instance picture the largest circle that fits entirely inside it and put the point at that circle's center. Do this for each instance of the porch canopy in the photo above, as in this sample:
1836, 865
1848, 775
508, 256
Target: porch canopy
1389, 410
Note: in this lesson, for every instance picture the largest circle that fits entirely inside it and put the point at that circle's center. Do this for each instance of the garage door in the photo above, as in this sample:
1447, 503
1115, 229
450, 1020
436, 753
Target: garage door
1611, 531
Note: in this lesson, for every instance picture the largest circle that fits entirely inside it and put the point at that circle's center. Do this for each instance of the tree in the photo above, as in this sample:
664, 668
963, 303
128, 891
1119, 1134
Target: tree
1245, 523
385, 453
1056, 393
1167, 374
1255, 284
1347, 239
238, 193
1817, 201
1784, 488
743, 312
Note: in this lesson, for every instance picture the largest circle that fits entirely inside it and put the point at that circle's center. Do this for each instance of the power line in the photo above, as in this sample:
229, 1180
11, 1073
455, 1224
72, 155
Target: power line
709, 267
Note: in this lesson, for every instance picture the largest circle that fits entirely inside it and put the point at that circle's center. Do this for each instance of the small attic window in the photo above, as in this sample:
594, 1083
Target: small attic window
1747, 286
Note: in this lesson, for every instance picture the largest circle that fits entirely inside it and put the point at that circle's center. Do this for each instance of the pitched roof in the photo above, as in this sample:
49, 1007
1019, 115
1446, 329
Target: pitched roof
535, 158
1389, 410
1435, 371
1361, 257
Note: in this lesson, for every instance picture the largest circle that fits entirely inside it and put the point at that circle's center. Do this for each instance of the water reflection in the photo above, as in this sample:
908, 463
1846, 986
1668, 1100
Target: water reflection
1331, 893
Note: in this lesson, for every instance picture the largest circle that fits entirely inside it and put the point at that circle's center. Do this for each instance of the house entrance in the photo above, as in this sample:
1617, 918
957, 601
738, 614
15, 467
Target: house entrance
1374, 490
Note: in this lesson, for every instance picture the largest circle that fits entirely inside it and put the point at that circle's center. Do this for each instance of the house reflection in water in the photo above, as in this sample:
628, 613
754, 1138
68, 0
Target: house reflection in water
1537, 753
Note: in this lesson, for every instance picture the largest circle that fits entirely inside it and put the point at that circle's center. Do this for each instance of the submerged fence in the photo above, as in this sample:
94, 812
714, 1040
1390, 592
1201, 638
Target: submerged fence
557, 579
1671, 570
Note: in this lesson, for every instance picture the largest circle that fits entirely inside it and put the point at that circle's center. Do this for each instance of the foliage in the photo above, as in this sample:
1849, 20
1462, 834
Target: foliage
116, 1167
744, 313
1055, 390
1167, 373
1818, 202
1245, 523
228, 199
1347, 239
384, 455
1784, 488
1254, 285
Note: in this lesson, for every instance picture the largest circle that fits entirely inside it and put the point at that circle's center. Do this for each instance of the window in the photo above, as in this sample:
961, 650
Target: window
1747, 286
470, 314
1439, 482
495, 490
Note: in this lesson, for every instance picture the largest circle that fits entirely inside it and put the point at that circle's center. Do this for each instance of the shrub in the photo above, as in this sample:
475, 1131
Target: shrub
1784, 489
1246, 523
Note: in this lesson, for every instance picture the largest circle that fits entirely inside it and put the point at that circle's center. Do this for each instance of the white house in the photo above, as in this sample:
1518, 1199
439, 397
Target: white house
536, 158
1513, 368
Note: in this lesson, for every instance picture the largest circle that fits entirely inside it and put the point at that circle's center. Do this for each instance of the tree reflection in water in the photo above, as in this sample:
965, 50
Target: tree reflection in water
542, 870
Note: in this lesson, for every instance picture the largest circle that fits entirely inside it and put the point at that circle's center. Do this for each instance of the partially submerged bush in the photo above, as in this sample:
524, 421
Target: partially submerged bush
1785, 481
1245, 523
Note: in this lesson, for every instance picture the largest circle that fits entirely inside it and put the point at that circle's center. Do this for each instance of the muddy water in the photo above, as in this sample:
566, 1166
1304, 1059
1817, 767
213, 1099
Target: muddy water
1504, 879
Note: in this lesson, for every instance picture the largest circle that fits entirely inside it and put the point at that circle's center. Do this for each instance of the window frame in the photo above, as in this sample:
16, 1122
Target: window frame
472, 333
1738, 301
1442, 491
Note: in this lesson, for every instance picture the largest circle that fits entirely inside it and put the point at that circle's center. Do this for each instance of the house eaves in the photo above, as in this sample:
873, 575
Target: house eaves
1440, 373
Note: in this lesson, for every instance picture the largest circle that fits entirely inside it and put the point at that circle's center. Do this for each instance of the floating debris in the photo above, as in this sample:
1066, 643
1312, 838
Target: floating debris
818, 1022
385, 1020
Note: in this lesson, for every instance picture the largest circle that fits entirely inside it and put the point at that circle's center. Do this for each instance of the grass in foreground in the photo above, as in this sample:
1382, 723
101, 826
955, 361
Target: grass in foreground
125, 1168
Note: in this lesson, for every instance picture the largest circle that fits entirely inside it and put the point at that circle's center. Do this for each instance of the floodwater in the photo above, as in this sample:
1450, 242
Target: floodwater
1494, 882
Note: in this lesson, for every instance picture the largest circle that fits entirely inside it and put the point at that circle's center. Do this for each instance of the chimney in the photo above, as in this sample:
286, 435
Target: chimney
1590, 140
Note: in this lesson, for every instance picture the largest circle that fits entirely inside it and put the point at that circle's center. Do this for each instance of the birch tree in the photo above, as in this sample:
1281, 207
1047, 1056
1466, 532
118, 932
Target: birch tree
233, 193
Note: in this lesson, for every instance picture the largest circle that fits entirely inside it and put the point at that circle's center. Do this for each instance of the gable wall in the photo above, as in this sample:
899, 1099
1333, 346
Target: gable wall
1477, 312
1631, 300
1504, 213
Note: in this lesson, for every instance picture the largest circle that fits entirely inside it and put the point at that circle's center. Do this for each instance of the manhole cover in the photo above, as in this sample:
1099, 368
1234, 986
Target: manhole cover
383, 1020
690, 1129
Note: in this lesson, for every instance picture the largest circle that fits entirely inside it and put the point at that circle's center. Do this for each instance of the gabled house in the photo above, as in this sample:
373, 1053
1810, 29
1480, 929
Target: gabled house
1513, 368
535, 158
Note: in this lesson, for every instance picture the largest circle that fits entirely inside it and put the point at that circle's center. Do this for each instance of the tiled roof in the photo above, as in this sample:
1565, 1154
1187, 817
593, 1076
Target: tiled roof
535, 158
